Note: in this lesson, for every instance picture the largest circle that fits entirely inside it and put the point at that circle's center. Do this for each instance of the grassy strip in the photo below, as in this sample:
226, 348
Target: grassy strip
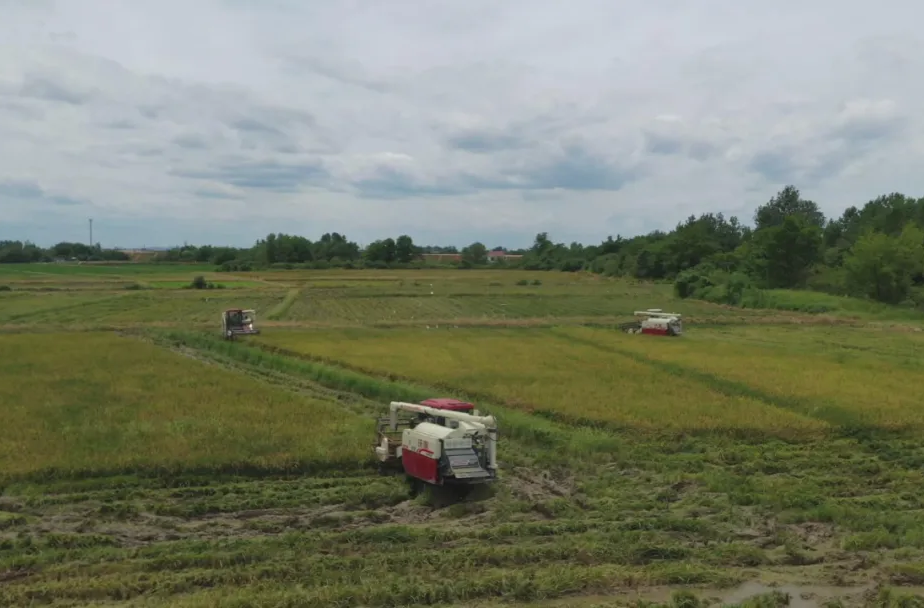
279, 311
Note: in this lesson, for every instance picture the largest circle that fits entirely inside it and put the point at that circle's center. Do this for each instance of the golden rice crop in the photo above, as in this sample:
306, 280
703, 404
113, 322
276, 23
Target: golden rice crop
150, 307
534, 370
432, 310
91, 401
19, 306
877, 379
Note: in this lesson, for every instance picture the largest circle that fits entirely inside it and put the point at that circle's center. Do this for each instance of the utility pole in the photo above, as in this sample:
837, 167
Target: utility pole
91, 233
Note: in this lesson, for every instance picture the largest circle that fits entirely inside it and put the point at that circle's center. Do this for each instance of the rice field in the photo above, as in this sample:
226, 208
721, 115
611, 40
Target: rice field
80, 403
537, 372
766, 458
800, 370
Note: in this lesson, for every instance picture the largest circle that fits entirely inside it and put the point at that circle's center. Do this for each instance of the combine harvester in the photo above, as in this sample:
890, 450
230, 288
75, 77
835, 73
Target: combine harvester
655, 323
238, 322
438, 443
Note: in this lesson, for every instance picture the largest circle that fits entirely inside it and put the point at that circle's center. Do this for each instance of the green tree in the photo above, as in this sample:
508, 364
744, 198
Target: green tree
475, 254
783, 255
883, 267
383, 250
269, 250
405, 251
786, 203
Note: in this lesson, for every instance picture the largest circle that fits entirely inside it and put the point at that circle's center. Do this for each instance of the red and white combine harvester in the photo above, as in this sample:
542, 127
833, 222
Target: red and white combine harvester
440, 442
655, 322
238, 322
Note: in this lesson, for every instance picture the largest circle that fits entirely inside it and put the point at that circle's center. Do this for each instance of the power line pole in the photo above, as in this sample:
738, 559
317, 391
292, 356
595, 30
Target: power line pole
91, 232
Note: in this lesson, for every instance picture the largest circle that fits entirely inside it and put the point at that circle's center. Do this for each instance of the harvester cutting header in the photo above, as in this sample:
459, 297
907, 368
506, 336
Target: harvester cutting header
656, 323
447, 442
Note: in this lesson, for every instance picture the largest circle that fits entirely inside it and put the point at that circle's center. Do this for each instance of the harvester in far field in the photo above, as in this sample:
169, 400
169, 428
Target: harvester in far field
655, 322
438, 442
238, 322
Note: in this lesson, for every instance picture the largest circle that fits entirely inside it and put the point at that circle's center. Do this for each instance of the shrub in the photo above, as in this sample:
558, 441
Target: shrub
705, 282
691, 283
571, 265
235, 266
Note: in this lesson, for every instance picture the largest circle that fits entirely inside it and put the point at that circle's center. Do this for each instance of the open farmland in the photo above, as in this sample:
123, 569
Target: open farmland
145, 461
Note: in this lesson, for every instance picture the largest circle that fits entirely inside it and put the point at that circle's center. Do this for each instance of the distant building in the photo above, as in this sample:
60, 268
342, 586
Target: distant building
442, 257
500, 254
493, 256
141, 255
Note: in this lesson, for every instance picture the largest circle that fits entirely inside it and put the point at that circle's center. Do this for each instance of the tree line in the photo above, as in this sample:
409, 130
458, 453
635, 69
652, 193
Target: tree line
25, 252
875, 251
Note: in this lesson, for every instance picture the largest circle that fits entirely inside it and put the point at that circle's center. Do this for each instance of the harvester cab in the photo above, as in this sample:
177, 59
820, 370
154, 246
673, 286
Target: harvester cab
438, 442
238, 322
655, 322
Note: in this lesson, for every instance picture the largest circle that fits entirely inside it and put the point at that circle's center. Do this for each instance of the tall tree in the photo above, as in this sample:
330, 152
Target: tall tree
786, 203
405, 251
781, 256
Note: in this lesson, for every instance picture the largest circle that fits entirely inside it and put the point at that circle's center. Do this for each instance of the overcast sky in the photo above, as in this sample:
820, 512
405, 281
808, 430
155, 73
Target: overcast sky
452, 121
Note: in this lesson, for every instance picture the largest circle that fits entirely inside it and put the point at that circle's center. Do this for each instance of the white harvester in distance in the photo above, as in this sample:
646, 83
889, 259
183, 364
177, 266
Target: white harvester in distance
441, 442
655, 322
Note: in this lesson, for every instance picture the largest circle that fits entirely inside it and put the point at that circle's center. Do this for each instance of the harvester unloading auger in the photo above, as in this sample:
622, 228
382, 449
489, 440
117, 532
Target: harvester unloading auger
656, 322
446, 443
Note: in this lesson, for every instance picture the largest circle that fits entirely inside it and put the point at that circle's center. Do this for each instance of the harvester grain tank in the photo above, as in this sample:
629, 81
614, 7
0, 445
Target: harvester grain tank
655, 322
438, 442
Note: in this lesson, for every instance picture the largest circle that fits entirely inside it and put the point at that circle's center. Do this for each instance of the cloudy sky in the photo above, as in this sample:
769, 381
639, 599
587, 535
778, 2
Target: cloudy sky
452, 121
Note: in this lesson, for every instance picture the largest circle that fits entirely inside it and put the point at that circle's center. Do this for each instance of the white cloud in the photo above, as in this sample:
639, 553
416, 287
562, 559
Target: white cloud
222, 120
